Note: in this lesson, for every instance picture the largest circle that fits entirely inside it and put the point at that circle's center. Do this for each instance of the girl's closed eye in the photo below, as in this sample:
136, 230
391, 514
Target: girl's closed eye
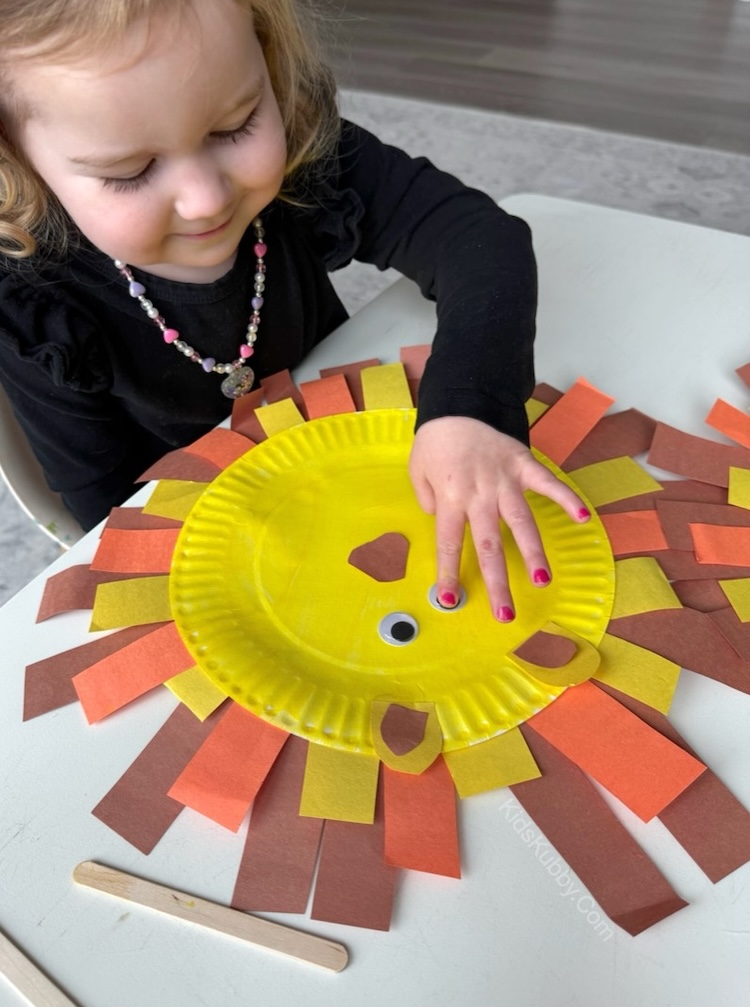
233, 135
132, 183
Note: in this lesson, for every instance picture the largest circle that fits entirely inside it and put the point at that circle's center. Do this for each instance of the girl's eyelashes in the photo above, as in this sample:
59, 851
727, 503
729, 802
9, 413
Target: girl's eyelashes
233, 135
131, 184
134, 182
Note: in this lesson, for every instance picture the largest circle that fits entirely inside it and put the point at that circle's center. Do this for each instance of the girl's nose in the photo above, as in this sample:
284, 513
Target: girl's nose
202, 191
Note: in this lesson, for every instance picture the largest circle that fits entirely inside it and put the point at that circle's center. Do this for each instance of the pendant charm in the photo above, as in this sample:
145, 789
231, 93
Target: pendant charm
238, 383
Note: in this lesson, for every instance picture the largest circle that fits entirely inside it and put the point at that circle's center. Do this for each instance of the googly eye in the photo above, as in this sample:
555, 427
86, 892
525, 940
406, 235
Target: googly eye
432, 597
398, 629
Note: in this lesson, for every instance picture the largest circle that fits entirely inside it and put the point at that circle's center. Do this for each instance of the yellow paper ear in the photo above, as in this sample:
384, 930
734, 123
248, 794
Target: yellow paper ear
408, 744
556, 656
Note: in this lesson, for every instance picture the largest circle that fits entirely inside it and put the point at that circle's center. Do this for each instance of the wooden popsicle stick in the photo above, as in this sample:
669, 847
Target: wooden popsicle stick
274, 936
30, 981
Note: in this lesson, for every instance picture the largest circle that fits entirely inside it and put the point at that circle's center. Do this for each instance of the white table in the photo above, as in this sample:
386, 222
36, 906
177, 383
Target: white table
657, 314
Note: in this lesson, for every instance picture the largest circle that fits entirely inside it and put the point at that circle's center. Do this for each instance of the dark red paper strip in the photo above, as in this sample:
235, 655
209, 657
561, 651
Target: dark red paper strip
49, 682
137, 807
587, 835
681, 565
278, 861
355, 885
706, 819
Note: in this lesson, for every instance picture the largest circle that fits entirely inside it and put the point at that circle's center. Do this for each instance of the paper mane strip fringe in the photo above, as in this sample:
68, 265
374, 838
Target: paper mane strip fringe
682, 552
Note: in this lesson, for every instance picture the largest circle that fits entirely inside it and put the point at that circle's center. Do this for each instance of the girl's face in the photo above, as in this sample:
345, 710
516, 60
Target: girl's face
164, 148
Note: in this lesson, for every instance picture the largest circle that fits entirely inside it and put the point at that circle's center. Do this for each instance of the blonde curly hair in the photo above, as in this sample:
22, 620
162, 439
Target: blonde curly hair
288, 32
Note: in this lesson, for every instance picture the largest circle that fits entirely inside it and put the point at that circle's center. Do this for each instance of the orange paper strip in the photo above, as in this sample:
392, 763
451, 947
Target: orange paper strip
121, 677
221, 446
569, 420
136, 551
327, 396
640, 767
721, 545
730, 421
227, 771
634, 533
421, 831
353, 375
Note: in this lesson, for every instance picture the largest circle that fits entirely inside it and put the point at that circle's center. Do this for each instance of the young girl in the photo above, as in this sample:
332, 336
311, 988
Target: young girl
175, 185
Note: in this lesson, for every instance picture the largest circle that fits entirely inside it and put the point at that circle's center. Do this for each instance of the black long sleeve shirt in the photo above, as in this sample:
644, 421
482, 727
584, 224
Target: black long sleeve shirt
101, 396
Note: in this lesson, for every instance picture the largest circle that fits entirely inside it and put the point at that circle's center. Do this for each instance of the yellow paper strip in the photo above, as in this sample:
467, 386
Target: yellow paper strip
174, 498
499, 762
134, 602
738, 595
279, 416
535, 409
614, 479
197, 692
637, 672
739, 487
640, 586
386, 387
339, 785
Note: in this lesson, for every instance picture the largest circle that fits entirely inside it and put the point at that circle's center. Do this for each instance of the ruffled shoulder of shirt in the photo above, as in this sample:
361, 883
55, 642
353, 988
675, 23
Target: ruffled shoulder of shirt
42, 325
333, 210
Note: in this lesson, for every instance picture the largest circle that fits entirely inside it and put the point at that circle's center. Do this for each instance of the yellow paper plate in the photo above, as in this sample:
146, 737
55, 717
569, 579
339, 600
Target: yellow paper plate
267, 603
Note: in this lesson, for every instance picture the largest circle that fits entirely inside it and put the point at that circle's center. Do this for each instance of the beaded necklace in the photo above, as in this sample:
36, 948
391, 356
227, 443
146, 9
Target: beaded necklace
239, 377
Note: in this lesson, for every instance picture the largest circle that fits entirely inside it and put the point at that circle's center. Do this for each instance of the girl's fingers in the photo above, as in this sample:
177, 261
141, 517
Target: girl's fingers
488, 545
517, 515
449, 533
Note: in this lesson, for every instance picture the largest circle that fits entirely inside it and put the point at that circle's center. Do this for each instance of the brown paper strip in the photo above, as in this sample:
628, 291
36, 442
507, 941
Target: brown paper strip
690, 639
133, 519
587, 835
278, 861
244, 421
702, 595
49, 682
707, 820
355, 885
137, 807
627, 433
676, 516
73, 589
695, 457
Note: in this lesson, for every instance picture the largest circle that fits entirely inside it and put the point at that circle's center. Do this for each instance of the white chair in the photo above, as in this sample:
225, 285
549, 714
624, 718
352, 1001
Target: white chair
23, 475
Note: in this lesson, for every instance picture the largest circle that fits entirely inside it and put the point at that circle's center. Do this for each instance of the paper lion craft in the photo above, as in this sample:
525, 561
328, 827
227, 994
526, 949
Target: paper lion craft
279, 583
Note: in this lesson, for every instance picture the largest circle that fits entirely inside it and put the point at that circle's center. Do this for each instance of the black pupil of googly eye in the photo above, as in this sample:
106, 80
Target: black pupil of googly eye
402, 631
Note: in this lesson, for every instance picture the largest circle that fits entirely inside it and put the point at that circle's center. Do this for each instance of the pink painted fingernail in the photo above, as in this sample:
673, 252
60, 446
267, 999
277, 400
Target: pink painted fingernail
448, 599
584, 513
541, 576
506, 614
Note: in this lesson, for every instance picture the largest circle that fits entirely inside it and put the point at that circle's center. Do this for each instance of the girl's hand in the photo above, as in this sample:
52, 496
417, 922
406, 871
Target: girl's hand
465, 471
